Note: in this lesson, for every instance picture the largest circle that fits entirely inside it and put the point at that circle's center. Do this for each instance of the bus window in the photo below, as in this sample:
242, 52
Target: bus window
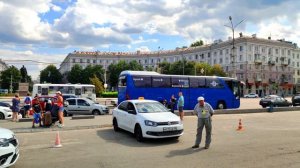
213, 83
122, 81
40, 90
53, 89
77, 91
142, 81
44, 91
180, 82
87, 90
197, 82
162, 81
234, 87
70, 90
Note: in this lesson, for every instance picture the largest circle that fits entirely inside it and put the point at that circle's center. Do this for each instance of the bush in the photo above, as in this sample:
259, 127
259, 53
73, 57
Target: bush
109, 94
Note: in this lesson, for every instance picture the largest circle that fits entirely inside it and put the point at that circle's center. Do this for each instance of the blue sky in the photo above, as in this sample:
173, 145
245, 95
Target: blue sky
47, 30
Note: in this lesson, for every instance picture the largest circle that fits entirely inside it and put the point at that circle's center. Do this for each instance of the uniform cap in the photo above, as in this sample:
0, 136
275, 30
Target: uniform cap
200, 98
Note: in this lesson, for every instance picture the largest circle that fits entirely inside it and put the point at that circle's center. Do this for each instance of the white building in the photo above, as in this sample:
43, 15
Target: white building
266, 66
3, 65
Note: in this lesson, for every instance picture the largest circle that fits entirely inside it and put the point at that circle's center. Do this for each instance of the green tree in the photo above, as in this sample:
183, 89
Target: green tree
10, 75
164, 68
114, 71
98, 85
202, 69
218, 70
75, 75
135, 66
197, 43
50, 75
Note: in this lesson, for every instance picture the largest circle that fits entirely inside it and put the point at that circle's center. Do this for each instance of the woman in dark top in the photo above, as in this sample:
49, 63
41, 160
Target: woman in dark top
15, 107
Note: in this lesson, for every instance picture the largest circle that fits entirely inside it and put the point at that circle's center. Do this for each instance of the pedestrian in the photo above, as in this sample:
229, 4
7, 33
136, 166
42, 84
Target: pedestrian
172, 103
204, 112
180, 105
60, 105
27, 105
15, 107
36, 106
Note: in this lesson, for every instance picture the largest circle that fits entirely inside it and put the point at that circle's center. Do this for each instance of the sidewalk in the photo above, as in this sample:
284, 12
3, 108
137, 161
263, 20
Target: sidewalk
25, 127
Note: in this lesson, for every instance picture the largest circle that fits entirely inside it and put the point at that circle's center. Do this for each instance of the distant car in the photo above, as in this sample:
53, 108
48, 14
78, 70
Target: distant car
275, 101
146, 119
5, 113
5, 104
251, 95
296, 100
84, 106
9, 148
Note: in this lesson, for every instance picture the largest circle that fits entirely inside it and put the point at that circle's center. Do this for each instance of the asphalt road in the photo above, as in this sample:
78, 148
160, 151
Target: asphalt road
268, 140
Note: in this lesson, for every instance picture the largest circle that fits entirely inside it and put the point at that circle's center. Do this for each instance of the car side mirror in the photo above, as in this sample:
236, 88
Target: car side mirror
66, 104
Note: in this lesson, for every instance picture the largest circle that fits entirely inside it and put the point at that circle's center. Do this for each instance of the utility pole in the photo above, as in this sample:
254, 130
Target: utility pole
233, 57
10, 87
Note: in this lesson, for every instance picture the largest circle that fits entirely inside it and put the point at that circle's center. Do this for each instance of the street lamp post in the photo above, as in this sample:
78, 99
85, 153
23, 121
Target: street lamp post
233, 47
183, 59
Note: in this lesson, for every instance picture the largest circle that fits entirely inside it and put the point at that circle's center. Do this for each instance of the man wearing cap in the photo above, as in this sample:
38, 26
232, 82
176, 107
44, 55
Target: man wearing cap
204, 112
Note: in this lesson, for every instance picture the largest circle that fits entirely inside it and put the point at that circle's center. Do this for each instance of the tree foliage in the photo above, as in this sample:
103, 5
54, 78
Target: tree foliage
99, 88
197, 43
11, 75
50, 75
75, 75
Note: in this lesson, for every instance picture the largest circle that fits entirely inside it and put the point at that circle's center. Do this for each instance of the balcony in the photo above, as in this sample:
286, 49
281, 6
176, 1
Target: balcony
271, 62
257, 61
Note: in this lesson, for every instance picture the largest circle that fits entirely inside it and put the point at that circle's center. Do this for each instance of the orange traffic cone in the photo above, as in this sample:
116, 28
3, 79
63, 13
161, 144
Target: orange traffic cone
240, 127
57, 141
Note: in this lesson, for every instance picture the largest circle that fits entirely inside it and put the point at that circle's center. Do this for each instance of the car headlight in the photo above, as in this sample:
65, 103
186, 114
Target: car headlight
4, 142
150, 123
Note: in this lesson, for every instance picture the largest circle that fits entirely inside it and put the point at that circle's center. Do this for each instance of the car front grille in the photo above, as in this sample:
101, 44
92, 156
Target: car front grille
165, 133
168, 123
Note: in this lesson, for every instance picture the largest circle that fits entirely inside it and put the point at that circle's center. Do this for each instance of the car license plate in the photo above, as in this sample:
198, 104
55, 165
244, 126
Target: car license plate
169, 128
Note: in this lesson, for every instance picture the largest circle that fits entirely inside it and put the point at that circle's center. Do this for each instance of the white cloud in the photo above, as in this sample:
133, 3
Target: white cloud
143, 49
56, 8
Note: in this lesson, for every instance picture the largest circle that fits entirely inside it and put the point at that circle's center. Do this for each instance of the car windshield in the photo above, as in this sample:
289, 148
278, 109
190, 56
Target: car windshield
150, 107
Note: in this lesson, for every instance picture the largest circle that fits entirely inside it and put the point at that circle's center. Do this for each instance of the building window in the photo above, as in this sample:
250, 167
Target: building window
289, 52
221, 52
215, 61
241, 58
249, 48
88, 60
276, 51
241, 66
94, 61
297, 64
196, 56
81, 61
100, 61
74, 60
227, 51
241, 48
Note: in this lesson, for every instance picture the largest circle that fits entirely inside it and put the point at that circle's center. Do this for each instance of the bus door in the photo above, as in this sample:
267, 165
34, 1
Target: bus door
122, 91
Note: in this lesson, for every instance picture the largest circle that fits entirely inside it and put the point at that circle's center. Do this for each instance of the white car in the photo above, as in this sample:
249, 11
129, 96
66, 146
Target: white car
251, 95
9, 148
5, 113
146, 119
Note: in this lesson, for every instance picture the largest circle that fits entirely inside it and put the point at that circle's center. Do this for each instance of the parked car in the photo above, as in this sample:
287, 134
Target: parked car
274, 100
5, 113
251, 95
84, 106
9, 148
146, 119
5, 104
296, 100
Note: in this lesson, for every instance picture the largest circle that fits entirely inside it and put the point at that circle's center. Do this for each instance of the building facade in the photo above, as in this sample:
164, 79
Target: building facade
3, 66
265, 66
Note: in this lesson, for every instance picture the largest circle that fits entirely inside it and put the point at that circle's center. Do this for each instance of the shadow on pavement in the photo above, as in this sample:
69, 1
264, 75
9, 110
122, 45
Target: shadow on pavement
127, 139
181, 152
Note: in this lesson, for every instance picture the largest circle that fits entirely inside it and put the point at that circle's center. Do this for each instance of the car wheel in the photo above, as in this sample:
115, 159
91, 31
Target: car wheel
96, 112
221, 105
2, 117
264, 106
138, 134
115, 125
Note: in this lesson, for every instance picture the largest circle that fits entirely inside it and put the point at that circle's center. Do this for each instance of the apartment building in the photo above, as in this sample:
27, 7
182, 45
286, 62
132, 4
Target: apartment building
265, 66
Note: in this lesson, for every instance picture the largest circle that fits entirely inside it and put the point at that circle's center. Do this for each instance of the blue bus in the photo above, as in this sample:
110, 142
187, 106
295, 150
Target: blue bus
220, 92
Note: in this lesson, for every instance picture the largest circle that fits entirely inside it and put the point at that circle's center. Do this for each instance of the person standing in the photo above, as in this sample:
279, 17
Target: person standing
172, 103
15, 107
180, 105
27, 105
60, 104
204, 112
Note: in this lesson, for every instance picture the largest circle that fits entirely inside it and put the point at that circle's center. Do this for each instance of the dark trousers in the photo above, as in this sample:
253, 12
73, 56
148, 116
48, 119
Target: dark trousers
201, 123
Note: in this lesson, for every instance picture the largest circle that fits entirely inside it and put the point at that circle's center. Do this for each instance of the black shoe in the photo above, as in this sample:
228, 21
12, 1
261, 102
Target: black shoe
206, 147
195, 146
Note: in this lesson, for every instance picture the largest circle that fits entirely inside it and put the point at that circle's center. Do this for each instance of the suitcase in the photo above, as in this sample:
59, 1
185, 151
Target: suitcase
47, 119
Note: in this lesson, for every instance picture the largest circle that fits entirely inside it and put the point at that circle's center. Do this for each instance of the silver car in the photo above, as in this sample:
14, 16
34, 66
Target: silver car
84, 106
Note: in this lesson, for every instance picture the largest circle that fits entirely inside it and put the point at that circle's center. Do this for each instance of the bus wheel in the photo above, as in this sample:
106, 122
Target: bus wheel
221, 105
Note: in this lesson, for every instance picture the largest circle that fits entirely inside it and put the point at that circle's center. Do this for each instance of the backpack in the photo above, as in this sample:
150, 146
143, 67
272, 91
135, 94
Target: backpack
27, 100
